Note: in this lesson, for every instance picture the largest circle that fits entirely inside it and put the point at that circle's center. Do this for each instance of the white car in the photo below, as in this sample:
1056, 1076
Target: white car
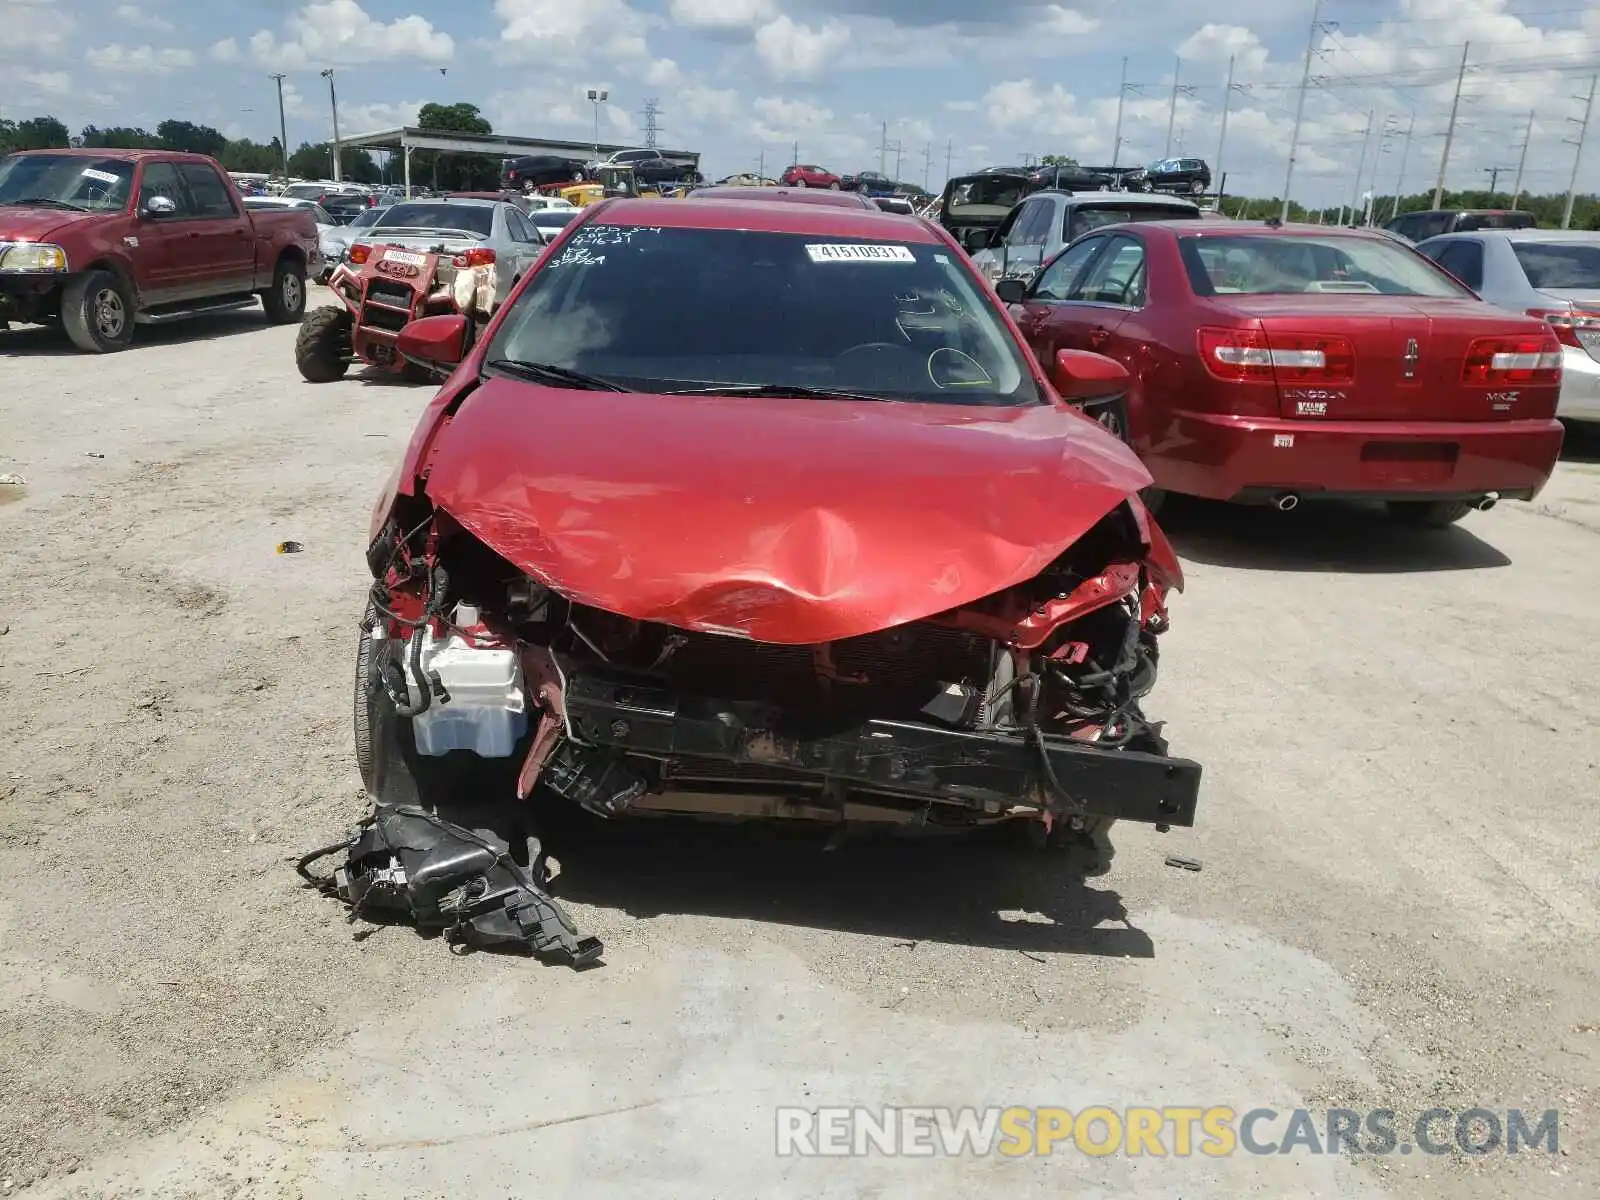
1548, 273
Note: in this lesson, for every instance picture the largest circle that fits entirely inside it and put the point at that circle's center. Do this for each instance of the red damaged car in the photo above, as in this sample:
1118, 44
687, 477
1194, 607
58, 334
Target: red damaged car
761, 510
1274, 363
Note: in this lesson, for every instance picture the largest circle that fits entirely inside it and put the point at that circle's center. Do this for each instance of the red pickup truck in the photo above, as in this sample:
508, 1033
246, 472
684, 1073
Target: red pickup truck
103, 240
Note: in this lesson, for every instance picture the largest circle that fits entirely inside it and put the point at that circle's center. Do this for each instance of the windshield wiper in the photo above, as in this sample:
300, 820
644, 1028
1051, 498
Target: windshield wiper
537, 372
777, 390
47, 202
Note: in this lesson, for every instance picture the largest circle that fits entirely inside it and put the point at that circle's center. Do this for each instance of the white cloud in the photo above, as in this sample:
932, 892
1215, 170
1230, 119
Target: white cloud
795, 51
141, 60
564, 33
664, 72
225, 51
132, 14
367, 118
35, 28
1217, 43
45, 83
723, 14
1065, 22
340, 33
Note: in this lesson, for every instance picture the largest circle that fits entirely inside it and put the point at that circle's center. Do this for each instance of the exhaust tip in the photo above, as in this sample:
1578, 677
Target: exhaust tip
1286, 502
1487, 502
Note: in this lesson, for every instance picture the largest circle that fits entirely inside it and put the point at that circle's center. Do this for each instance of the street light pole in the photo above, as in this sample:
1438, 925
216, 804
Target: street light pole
283, 128
333, 101
597, 97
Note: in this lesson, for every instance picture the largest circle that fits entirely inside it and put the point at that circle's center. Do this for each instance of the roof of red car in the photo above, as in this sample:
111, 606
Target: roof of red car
109, 152
793, 195
1216, 226
766, 217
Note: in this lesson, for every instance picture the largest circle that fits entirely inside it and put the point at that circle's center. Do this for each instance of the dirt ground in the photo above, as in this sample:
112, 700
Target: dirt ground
1398, 906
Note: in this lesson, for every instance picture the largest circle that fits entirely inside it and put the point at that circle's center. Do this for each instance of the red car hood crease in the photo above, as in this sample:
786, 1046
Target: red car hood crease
786, 521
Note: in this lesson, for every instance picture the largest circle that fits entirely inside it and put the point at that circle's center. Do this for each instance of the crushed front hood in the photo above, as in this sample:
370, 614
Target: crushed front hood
792, 521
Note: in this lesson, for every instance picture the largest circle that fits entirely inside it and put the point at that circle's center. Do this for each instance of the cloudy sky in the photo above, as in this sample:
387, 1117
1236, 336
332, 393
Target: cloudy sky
984, 82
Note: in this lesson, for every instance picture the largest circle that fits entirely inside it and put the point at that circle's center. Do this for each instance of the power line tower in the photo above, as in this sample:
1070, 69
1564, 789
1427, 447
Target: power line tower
652, 109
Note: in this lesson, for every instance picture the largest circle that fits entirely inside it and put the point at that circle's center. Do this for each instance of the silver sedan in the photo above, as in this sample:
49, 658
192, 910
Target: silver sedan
457, 224
1551, 273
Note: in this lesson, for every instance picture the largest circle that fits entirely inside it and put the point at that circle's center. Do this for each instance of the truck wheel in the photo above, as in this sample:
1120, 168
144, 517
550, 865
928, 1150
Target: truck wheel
285, 300
322, 349
97, 312
1435, 514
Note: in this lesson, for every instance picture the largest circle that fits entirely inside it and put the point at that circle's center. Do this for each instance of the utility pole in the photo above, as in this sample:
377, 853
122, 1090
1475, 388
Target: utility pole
1300, 103
1172, 108
1522, 161
927, 165
1122, 95
1450, 130
761, 165
1222, 138
283, 128
1400, 179
1361, 167
333, 100
949, 155
1384, 130
796, 148
1494, 180
899, 149
1577, 157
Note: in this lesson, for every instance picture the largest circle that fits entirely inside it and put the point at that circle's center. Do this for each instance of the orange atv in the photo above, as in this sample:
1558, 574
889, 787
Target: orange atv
383, 288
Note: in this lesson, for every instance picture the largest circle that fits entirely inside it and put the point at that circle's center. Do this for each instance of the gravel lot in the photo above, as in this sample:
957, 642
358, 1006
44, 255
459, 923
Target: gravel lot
1398, 906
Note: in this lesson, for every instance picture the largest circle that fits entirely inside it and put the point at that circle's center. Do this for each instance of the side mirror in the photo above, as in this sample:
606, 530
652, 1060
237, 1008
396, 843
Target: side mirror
1012, 290
160, 206
1080, 376
439, 341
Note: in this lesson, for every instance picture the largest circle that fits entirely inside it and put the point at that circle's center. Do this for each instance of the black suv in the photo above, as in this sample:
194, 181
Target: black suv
536, 170
1419, 226
1188, 175
1070, 177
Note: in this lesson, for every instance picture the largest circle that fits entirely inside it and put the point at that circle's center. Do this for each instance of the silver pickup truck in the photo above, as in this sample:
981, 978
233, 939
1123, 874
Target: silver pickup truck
1046, 222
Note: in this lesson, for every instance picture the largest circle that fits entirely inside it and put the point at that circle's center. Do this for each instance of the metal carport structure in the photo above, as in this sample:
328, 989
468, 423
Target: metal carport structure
407, 138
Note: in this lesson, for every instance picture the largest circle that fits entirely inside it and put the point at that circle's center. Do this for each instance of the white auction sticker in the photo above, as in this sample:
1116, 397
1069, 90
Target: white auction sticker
101, 176
408, 257
852, 253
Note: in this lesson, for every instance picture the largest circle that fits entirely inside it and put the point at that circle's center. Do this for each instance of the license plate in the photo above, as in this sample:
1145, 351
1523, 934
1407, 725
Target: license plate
408, 257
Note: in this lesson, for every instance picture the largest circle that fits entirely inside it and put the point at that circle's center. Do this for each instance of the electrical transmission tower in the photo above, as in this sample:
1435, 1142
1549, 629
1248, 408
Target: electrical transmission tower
652, 109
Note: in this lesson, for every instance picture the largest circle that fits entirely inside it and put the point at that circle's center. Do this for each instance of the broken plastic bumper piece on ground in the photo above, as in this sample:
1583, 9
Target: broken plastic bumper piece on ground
462, 882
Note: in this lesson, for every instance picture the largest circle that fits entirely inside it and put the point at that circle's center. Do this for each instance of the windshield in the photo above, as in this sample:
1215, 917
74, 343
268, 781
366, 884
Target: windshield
66, 181
1561, 267
674, 309
1267, 265
992, 196
553, 220
304, 191
476, 219
367, 216
1079, 219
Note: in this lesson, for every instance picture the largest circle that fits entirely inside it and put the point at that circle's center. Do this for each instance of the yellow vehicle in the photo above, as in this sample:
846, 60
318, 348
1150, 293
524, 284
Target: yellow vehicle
608, 181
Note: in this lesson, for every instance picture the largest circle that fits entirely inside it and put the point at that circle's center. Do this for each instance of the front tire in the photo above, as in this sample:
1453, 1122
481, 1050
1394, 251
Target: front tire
1430, 514
834, 186
1198, 188
322, 349
285, 300
800, 183
97, 312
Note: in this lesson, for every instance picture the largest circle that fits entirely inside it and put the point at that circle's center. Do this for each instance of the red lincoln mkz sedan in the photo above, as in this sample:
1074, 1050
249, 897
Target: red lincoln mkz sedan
1273, 363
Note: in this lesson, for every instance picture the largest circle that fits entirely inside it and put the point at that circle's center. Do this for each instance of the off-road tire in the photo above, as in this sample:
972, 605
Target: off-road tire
285, 300
97, 312
1432, 514
322, 348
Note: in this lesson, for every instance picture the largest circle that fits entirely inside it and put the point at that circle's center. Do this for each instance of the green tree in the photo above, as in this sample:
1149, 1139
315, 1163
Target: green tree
1058, 160
195, 139
316, 162
468, 172
36, 133
119, 137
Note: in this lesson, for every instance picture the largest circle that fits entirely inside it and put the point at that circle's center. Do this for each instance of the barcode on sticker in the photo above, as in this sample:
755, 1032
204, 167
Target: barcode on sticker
101, 176
829, 252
